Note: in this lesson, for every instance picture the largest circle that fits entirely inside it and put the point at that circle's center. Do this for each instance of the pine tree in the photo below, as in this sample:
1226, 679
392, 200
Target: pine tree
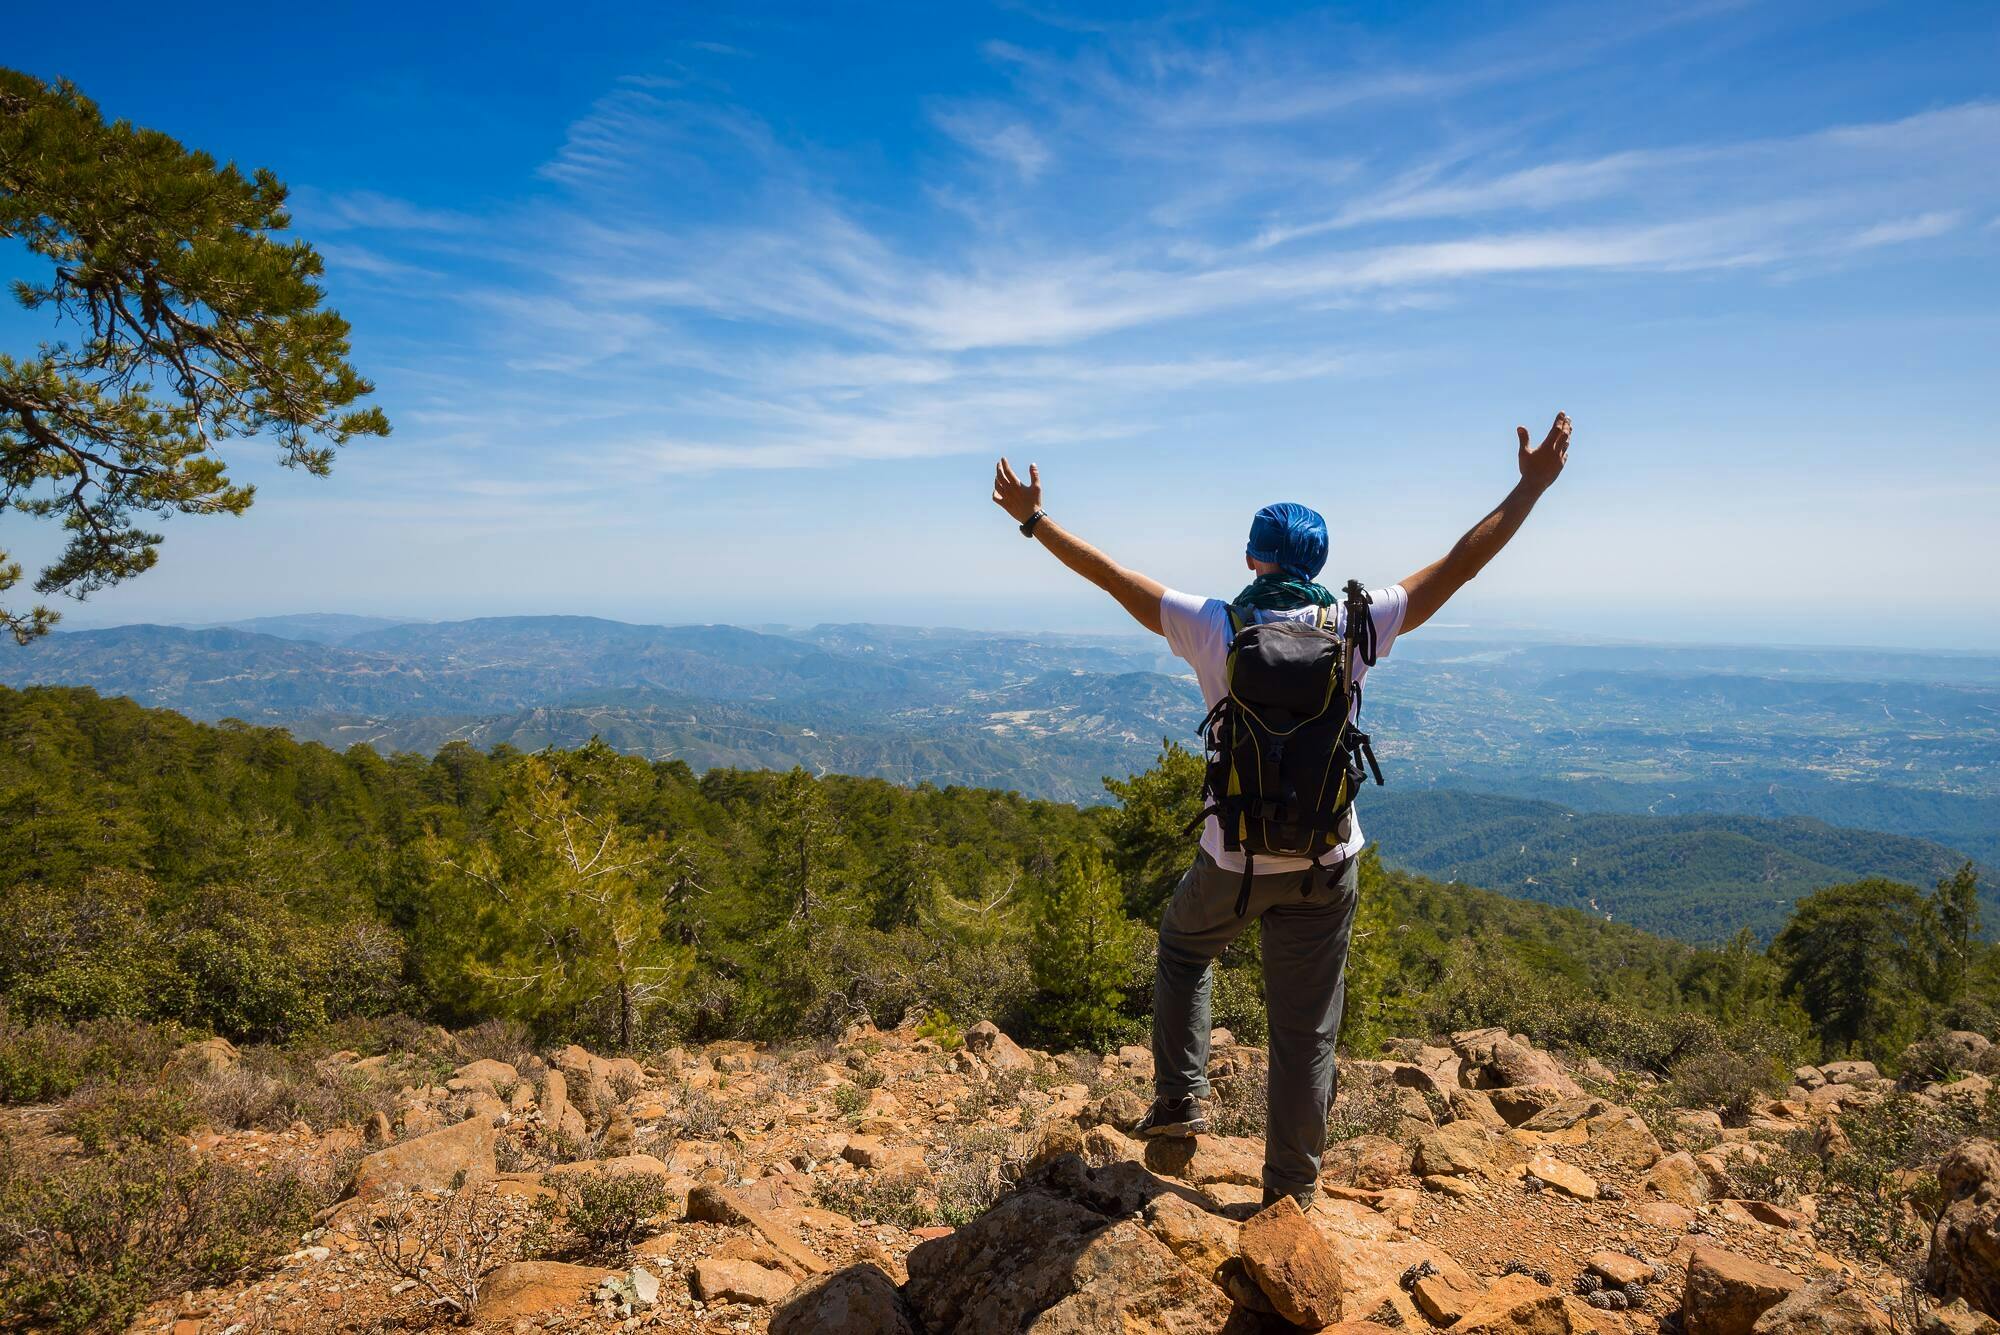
195, 325
1956, 903
1858, 958
558, 918
1150, 843
1081, 954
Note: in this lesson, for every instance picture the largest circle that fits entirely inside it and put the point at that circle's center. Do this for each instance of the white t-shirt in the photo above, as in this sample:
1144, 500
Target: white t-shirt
1197, 630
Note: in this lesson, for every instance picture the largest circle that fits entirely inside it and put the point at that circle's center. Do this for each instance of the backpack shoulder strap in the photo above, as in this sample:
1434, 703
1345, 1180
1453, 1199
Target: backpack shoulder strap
1360, 621
1239, 617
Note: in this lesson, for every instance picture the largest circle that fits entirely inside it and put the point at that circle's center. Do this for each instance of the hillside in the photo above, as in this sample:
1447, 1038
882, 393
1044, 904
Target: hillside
1699, 878
787, 966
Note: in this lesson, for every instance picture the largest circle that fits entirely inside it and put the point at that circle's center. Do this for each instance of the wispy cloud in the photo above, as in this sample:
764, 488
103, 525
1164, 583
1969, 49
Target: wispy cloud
1918, 227
1140, 221
998, 137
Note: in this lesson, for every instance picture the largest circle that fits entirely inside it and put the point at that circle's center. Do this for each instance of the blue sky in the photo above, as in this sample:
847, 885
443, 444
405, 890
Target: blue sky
687, 315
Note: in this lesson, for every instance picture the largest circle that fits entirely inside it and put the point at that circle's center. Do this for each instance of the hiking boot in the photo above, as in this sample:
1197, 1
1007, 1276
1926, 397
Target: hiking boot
1305, 1197
1172, 1118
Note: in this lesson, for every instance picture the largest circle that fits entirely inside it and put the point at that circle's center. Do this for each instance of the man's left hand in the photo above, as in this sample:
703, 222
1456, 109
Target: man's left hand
1543, 464
1019, 499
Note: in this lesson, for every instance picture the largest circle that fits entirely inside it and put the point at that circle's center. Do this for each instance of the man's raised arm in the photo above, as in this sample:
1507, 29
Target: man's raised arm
1432, 587
1023, 500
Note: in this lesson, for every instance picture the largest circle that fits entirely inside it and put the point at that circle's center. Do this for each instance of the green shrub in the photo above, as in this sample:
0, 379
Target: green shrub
47, 1060
227, 960
86, 1243
113, 1117
1237, 1000
599, 1213
847, 1100
938, 1027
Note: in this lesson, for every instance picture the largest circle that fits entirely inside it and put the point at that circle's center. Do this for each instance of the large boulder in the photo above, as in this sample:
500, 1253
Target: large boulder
1965, 1241
1039, 1262
1677, 1178
202, 1061
559, 1115
1566, 1178
495, 1077
1421, 1066
1204, 1241
1828, 1307
1850, 1073
438, 1161
1455, 1149
986, 1041
859, 1300
1204, 1160
1955, 1318
1293, 1265
1726, 1293
1495, 1059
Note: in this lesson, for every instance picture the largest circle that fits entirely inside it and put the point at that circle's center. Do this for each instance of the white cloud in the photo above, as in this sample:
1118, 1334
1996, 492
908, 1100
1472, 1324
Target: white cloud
706, 293
1918, 227
995, 136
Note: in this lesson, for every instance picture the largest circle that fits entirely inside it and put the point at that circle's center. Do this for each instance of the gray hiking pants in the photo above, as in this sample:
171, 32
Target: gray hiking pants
1307, 916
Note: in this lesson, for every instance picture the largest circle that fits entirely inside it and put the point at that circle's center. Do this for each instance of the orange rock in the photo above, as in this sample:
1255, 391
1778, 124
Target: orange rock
535, 1288
1293, 1265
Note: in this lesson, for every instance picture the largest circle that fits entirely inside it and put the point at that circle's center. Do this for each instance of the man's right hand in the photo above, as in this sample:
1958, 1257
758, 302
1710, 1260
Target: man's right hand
1019, 499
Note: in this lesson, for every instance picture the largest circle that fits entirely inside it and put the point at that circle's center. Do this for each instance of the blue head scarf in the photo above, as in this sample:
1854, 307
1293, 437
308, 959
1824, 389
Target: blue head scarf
1290, 536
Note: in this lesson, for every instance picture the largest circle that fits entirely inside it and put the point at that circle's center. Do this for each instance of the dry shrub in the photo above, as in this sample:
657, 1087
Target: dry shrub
271, 1088
1367, 1105
498, 1040
447, 1245
1237, 1105
967, 1170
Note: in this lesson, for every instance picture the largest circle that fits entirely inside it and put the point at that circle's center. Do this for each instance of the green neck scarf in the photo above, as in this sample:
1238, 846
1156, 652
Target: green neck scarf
1281, 593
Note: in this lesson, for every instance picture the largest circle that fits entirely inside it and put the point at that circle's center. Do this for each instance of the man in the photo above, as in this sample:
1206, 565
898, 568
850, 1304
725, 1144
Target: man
1307, 909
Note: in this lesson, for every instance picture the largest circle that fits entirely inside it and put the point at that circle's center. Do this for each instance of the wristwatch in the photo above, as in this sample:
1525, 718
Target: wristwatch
1028, 524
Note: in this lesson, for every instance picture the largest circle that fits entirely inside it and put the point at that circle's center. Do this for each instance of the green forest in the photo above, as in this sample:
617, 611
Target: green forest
228, 879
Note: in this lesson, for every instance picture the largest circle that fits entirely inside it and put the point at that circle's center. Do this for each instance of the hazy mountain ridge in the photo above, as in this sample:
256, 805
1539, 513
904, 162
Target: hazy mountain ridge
1627, 729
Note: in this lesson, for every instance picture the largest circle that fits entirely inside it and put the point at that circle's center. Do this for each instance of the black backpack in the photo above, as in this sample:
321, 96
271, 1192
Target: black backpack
1284, 758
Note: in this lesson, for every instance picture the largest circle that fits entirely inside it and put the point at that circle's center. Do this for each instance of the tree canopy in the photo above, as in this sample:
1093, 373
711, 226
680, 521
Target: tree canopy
180, 322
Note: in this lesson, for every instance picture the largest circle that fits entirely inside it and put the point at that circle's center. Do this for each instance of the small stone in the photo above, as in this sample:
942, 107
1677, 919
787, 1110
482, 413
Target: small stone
1569, 1180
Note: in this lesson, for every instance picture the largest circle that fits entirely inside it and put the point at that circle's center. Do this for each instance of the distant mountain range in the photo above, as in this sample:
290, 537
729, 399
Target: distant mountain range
1754, 766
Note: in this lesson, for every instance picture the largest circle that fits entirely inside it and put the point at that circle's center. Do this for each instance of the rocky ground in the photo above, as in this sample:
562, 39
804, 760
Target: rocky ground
885, 1184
